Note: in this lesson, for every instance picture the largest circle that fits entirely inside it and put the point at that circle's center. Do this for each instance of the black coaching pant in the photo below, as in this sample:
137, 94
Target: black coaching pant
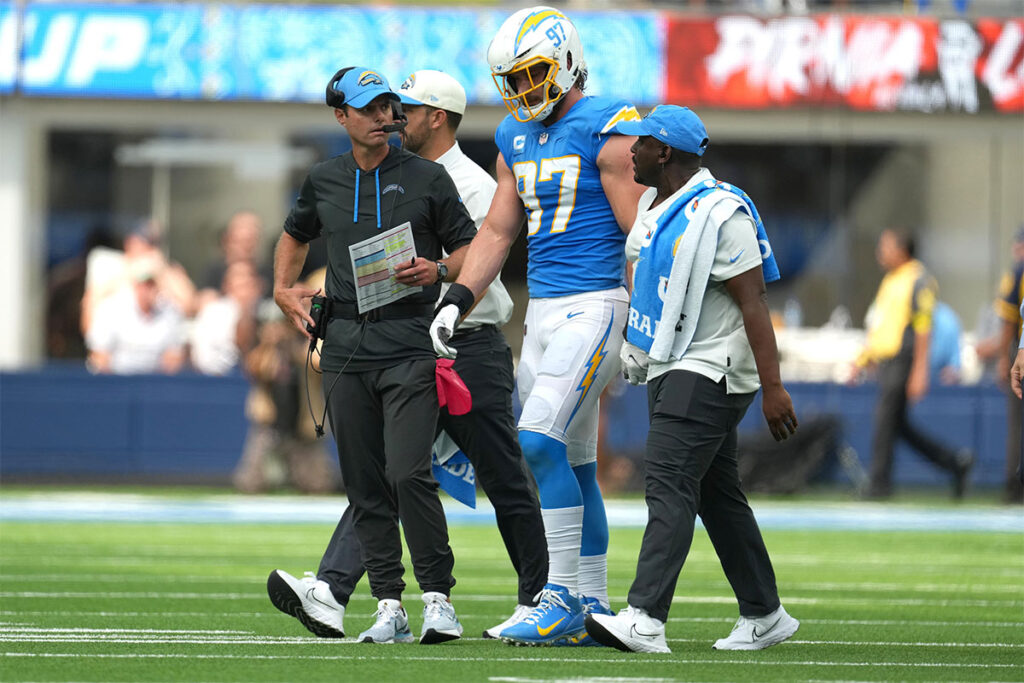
488, 437
892, 422
691, 470
383, 422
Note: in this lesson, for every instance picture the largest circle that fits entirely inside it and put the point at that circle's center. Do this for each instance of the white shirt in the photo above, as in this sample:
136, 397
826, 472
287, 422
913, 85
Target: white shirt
214, 337
135, 341
476, 187
719, 347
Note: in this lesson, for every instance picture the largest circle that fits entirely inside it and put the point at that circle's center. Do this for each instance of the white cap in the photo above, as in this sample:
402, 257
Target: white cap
434, 88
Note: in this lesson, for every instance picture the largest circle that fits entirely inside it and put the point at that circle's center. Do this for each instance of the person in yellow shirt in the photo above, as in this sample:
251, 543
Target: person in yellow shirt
899, 327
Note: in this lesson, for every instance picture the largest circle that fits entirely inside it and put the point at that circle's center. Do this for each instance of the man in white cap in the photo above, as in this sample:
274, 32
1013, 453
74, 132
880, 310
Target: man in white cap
434, 103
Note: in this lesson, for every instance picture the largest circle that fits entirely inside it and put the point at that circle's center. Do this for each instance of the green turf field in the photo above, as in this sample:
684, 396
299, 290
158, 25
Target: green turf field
186, 602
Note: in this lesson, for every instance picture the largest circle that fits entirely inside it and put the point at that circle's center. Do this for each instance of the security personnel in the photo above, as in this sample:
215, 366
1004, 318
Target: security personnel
898, 335
379, 366
435, 103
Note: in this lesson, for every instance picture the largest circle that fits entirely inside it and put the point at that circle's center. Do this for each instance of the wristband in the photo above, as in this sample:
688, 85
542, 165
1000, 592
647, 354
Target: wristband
460, 295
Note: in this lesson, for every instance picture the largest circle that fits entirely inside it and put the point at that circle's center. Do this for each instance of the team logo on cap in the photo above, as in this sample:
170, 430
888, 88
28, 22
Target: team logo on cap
408, 83
370, 78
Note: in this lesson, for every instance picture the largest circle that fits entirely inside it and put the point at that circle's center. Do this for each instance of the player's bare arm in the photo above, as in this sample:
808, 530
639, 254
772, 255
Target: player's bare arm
293, 301
487, 252
615, 162
748, 291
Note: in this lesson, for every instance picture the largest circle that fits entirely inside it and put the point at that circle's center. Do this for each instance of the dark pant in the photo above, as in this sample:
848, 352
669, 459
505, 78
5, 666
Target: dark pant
1014, 491
487, 435
383, 421
691, 470
892, 422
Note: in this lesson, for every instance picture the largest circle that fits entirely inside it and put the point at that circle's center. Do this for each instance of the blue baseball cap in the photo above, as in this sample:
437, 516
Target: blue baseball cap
359, 86
677, 127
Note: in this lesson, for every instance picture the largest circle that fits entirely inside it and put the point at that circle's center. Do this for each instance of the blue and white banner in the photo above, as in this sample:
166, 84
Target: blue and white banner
288, 52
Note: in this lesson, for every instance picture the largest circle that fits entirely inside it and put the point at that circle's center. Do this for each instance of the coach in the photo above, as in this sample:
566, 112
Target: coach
379, 366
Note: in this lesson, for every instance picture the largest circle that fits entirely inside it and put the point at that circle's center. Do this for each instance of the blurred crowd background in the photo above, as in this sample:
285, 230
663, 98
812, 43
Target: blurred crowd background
149, 154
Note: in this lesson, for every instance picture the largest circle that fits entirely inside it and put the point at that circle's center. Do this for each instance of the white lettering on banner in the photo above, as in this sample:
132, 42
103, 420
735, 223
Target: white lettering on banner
876, 62
959, 48
738, 41
44, 68
107, 43
996, 75
8, 48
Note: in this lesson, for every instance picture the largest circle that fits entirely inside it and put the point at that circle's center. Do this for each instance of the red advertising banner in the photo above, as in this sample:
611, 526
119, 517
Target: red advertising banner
857, 62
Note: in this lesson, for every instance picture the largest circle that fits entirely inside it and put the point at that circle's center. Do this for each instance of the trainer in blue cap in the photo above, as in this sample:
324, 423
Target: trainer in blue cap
677, 127
357, 86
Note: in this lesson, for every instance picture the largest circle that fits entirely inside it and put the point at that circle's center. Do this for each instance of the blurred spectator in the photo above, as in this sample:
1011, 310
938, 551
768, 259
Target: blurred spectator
65, 288
136, 330
281, 448
225, 328
898, 339
108, 270
240, 240
944, 348
1007, 307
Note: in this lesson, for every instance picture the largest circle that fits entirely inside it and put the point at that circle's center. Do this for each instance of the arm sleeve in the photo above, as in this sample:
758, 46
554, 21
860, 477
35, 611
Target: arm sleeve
922, 305
303, 222
738, 250
452, 221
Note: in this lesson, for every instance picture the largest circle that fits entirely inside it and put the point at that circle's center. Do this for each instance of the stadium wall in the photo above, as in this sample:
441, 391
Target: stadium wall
65, 424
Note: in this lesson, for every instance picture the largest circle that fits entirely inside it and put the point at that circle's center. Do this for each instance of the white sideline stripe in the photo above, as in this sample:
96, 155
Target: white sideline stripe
190, 639
698, 600
233, 508
652, 659
714, 620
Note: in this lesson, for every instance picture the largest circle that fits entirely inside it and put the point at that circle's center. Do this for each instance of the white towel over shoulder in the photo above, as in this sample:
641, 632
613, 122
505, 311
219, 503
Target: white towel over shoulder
691, 271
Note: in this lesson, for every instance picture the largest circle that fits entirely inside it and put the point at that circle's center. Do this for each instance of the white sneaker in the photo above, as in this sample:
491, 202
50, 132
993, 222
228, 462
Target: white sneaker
521, 612
631, 630
439, 621
392, 625
759, 632
309, 600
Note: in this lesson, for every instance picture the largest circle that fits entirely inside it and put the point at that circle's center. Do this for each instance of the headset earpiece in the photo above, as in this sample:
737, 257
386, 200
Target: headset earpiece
335, 97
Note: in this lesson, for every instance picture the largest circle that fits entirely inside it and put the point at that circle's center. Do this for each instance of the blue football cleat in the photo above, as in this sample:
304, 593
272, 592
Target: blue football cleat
557, 616
583, 639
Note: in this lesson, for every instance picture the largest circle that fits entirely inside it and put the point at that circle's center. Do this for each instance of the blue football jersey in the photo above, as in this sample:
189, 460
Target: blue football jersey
573, 241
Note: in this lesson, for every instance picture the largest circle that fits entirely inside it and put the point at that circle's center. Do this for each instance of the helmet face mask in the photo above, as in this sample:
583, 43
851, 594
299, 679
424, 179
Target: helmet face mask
531, 37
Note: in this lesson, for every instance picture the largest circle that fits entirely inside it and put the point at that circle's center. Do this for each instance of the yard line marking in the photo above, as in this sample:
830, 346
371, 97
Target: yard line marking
700, 600
153, 637
714, 620
510, 580
653, 659
848, 622
869, 643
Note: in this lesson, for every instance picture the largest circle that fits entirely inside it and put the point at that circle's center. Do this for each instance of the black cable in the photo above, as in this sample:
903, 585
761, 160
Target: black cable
319, 428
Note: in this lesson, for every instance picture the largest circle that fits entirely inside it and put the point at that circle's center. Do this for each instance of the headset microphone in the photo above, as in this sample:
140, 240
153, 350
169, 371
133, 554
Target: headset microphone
395, 127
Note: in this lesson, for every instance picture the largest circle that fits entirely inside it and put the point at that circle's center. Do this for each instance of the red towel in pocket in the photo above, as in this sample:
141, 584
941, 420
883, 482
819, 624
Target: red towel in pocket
451, 390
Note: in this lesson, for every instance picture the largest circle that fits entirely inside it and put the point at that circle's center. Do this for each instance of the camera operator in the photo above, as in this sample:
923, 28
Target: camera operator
379, 365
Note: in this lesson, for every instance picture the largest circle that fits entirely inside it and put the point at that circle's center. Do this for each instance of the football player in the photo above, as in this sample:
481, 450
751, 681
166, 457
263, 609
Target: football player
572, 182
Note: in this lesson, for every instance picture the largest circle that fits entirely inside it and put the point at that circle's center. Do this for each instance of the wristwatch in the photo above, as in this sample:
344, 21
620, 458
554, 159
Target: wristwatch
442, 272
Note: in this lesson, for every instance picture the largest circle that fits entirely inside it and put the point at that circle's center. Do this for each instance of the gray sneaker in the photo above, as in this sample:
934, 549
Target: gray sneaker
439, 621
757, 633
392, 625
309, 600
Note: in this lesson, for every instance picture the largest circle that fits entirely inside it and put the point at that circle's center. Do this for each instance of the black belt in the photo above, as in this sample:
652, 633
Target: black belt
461, 333
397, 311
